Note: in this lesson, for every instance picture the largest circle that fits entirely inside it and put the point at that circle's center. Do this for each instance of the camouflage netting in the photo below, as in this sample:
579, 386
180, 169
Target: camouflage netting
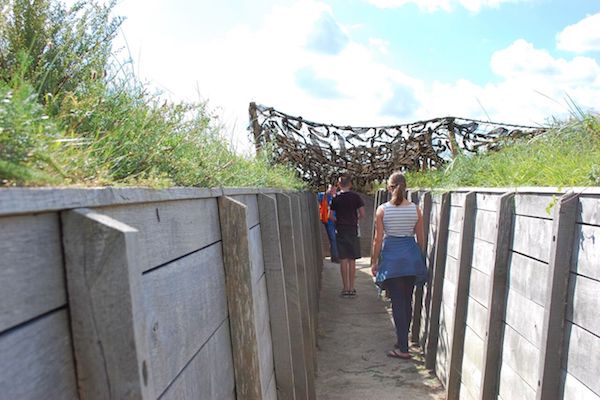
321, 152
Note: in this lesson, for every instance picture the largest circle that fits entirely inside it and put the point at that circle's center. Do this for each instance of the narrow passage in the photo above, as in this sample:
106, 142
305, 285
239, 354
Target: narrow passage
354, 336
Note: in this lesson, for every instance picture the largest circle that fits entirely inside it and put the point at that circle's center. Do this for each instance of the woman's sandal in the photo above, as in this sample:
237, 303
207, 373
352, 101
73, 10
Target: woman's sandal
398, 354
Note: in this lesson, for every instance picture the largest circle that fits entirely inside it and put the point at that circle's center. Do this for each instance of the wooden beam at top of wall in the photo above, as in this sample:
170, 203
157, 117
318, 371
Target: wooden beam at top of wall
559, 268
236, 260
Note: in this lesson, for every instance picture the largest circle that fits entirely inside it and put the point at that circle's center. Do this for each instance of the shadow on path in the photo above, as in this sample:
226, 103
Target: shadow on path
354, 337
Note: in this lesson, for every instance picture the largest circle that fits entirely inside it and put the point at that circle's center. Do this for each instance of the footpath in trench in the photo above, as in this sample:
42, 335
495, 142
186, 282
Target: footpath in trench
354, 336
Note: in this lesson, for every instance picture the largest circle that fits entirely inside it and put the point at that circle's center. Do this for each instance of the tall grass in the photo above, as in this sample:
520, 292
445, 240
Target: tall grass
72, 114
567, 155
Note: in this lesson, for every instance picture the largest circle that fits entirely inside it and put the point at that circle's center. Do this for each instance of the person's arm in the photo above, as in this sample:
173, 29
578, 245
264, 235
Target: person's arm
361, 213
419, 231
332, 208
377, 240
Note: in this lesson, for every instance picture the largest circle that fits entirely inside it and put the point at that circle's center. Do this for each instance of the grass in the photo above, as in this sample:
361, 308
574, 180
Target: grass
567, 155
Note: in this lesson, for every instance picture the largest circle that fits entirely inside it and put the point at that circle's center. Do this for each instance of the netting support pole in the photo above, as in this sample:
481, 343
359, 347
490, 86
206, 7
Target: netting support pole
452, 138
256, 129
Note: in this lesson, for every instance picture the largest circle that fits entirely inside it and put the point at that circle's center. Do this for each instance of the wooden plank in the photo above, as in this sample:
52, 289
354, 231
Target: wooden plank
303, 295
488, 201
287, 239
525, 276
575, 390
453, 244
103, 264
479, 288
236, 259
513, 387
32, 280
522, 356
452, 269
461, 296
278, 311
483, 256
36, 360
582, 359
533, 237
419, 296
471, 366
310, 270
583, 309
590, 210
485, 225
437, 282
536, 204
525, 316
209, 375
184, 303
586, 251
263, 335
251, 203
477, 317
169, 230
496, 303
553, 328
456, 218
257, 263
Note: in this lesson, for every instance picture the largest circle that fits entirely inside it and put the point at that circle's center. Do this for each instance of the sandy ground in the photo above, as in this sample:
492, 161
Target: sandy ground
354, 336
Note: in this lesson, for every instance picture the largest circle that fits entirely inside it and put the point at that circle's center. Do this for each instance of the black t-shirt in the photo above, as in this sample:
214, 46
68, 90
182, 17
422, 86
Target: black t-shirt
345, 205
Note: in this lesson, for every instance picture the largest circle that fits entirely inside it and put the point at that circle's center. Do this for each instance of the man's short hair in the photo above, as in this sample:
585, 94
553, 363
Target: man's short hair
345, 180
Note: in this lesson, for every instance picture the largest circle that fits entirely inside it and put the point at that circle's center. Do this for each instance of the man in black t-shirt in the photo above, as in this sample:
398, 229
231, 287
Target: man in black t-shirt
349, 208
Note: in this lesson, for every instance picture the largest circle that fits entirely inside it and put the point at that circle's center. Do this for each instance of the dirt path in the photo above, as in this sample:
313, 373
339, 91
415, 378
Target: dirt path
354, 336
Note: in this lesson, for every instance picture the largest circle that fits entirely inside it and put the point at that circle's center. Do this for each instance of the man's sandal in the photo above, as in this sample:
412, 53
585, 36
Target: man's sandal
398, 354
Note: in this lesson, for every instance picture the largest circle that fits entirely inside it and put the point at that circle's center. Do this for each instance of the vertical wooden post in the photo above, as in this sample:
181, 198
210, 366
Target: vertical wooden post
465, 257
452, 137
418, 295
278, 313
236, 260
494, 337
426, 301
553, 330
303, 294
287, 238
438, 282
256, 129
104, 274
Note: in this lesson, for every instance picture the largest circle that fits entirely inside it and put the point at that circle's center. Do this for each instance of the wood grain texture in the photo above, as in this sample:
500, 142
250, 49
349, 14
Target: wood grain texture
32, 278
581, 360
471, 365
584, 308
525, 316
263, 334
278, 311
553, 328
575, 390
488, 201
586, 251
103, 262
36, 360
533, 237
513, 387
483, 256
477, 316
521, 356
251, 203
485, 224
257, 263
169, 230
496, 303
419, 308
209, 375
526, 275
479, 288
185, 303
240, 302
287, 234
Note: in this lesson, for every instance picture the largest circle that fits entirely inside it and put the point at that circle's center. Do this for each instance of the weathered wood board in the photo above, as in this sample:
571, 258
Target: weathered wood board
582, 359
532, 237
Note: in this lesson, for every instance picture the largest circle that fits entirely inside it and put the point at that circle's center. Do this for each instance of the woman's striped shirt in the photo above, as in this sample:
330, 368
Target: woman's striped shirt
399, 220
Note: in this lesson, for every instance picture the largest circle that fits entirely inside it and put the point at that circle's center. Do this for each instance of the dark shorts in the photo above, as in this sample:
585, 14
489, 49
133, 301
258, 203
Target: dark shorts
348, 245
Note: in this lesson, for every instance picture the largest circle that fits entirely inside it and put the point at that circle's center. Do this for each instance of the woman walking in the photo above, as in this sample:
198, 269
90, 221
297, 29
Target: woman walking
397, 260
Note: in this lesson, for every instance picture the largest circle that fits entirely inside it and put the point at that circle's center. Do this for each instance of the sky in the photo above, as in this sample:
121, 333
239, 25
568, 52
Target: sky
369, 62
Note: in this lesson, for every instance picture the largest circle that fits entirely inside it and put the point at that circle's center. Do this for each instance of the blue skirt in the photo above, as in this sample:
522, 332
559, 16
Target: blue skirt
401, 256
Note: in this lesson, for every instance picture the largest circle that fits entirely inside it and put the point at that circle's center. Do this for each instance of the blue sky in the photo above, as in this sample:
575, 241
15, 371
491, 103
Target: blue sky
371, 62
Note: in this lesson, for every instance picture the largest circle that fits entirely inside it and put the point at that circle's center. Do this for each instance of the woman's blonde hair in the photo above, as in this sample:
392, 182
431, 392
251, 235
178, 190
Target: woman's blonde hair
397, 183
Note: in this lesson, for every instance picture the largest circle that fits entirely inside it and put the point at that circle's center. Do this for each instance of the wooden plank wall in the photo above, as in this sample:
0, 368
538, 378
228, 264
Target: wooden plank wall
169, 256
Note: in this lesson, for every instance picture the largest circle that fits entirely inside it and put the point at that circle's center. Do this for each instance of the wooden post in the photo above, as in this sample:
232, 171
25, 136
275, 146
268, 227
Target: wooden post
452, 138
303, 295
278, 313
104, 274
465, 257
492, 349
421, 335
287, 238
438, 282
236, 260
256, 129
418, 295
553, 330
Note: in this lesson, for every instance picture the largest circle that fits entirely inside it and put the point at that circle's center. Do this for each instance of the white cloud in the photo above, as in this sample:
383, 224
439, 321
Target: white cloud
275, 65
582, 36
382, 45
444, 5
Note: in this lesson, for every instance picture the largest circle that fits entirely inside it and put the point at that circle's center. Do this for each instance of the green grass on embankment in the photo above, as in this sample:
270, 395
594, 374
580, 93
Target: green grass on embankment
72, 112
567, 155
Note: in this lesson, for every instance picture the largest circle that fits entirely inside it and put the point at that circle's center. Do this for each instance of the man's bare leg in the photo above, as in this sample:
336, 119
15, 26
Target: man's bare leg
351, 274
344, 270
